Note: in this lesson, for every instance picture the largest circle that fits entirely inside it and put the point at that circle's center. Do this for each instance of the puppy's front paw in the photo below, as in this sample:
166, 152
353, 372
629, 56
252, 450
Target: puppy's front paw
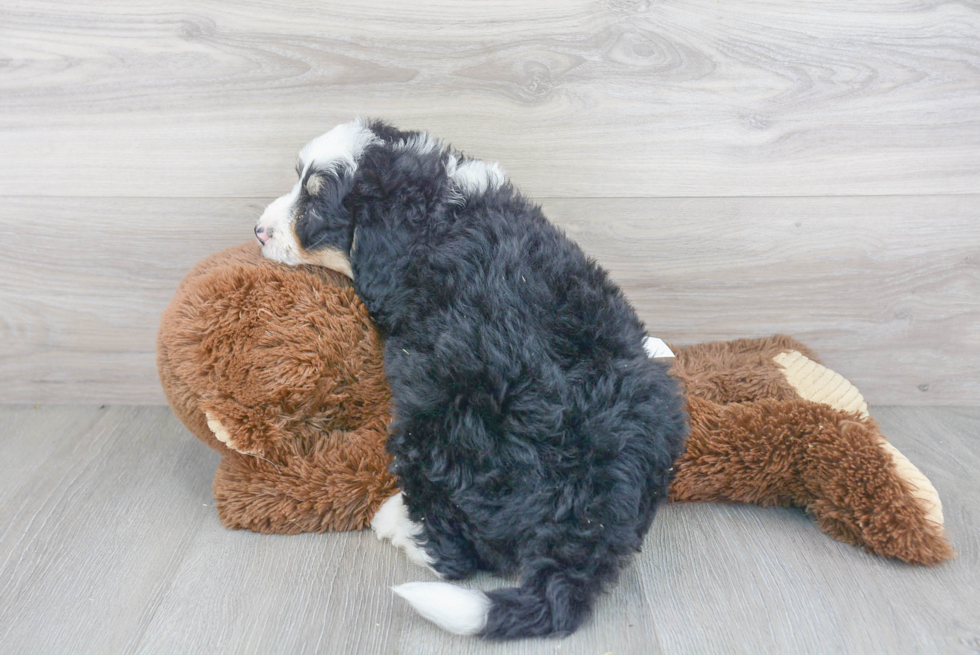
391, 522
389, 518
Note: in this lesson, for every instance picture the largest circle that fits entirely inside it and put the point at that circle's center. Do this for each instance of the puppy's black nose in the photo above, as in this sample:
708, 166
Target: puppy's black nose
263, 234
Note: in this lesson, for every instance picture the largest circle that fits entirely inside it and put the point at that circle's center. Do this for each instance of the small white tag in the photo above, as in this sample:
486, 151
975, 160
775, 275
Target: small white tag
656, 348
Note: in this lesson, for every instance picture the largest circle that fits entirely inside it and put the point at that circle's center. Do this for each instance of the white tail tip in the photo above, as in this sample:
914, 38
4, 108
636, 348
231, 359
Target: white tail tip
452, 608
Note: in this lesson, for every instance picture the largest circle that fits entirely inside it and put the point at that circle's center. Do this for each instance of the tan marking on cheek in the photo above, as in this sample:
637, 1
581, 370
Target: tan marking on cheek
334, 260
330, 258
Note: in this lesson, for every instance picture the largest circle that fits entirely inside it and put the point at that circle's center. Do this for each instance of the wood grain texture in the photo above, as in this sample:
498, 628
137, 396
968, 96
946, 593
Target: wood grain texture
624, 98
741, 168
884, 288
109, 543
86, 282
109, 508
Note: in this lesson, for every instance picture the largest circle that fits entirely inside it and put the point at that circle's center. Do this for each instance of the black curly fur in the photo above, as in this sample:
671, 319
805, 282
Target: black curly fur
531, 431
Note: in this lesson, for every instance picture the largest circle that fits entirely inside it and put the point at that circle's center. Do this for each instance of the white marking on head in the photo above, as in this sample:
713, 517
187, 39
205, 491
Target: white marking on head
456, 609
420, 143
474, 176
340, 148
314, 184
454, 195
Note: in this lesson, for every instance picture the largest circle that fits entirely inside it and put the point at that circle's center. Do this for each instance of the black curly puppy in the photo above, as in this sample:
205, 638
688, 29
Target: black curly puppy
531, 431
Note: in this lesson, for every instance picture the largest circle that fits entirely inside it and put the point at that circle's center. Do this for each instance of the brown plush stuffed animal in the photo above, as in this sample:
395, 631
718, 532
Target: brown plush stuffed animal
280, 370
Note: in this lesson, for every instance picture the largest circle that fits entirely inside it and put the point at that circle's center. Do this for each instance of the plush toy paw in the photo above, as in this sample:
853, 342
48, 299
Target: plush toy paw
337, 484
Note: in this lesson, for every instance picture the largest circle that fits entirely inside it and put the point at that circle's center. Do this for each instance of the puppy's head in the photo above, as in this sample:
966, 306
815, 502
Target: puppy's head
310, 225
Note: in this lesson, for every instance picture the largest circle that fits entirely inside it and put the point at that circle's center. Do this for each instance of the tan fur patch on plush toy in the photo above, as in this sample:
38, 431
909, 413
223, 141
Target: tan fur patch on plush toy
280, 370
817, 383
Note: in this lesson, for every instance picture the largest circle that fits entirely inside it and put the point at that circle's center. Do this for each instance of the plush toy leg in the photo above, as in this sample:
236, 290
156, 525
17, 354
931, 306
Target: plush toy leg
338, 486
736, 371
754, 403
809, 455
817, 383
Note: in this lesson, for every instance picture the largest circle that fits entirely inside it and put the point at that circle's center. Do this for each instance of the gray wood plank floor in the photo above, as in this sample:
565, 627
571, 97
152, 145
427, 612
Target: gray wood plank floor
109, 544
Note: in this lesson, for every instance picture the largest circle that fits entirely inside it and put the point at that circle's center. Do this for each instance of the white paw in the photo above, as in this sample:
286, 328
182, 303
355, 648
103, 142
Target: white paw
391, 522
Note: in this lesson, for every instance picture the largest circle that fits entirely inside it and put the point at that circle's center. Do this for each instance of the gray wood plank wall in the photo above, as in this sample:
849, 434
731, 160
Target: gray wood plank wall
741, 168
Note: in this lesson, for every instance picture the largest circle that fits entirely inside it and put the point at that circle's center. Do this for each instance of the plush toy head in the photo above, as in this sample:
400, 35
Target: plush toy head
280, 370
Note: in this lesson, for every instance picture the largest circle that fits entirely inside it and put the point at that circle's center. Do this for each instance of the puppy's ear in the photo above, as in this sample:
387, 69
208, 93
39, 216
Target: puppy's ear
410, 174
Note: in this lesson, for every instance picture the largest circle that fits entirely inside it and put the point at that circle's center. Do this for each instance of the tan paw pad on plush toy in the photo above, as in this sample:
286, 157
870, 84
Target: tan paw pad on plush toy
280, 371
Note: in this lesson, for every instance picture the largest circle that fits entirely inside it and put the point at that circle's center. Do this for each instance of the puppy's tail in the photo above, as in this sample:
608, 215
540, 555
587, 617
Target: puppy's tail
557, 604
